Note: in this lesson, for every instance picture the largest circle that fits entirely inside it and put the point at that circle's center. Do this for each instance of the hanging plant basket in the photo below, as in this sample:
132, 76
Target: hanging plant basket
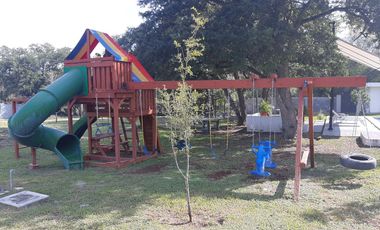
265, 108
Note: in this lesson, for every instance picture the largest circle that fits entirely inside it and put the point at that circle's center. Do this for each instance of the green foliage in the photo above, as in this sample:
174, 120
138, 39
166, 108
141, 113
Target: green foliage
363, 17
321, 116
265, 107
192, 47
182, 112
245, 36
291, 38
360, 95
24, 71
180, 105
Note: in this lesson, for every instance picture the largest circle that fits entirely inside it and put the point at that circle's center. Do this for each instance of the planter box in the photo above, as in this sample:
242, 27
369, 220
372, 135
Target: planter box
264, 123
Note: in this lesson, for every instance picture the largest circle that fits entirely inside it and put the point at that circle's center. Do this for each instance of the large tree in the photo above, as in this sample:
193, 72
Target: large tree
23, 71
287, 37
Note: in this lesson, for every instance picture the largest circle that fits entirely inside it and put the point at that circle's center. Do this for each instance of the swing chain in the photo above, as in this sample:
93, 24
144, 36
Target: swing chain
365, 120
253, 110
228, 118
209, 118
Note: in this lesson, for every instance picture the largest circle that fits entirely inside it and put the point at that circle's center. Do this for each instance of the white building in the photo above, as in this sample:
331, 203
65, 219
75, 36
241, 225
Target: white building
373, 90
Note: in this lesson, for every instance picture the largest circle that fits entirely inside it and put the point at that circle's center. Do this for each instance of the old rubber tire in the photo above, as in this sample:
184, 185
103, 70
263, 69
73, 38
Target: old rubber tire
358, 161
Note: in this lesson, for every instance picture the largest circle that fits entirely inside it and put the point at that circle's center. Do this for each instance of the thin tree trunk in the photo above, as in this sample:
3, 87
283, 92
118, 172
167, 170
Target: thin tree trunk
187, 186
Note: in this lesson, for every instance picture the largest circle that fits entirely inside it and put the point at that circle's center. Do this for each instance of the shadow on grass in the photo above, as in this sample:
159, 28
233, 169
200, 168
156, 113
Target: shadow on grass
312, 215
342, 186
360, 212
122, 193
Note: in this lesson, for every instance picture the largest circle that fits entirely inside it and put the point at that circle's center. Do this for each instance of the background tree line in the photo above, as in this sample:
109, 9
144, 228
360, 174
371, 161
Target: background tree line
288, 37
23, 71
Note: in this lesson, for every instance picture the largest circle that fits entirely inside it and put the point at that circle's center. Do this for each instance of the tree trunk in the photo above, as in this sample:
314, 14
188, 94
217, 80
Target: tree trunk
243, 114
265, 94
234, 107
288, 111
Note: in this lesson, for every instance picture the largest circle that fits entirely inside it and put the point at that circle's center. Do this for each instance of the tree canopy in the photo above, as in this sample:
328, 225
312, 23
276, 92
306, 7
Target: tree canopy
287, 37
23, 71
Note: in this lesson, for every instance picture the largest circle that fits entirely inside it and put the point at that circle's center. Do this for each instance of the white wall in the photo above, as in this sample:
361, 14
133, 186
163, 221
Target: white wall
271, 123
374, 96
6, 110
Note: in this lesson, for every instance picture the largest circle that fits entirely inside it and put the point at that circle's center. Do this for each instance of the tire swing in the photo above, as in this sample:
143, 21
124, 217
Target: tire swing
359, 161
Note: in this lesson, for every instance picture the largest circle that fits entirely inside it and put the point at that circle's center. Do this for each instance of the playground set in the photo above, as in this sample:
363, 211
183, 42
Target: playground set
116, 88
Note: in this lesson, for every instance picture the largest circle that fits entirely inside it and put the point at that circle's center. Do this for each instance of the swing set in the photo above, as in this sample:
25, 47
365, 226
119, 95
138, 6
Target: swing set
305, 86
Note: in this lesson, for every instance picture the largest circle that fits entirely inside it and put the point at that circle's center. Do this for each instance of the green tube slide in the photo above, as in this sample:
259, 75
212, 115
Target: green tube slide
26, 125
80, 126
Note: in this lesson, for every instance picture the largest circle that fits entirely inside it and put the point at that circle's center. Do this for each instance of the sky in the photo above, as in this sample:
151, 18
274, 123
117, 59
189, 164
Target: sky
62, 22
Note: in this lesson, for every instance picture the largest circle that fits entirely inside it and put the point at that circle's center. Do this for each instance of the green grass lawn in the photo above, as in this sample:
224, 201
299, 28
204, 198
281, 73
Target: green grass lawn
150, 195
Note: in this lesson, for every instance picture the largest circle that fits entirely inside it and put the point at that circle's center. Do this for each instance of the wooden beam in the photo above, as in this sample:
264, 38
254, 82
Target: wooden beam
305, 156
297, 165
318, 82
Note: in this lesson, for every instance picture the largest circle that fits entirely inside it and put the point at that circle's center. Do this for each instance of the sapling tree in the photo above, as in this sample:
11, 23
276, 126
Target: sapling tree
180, 105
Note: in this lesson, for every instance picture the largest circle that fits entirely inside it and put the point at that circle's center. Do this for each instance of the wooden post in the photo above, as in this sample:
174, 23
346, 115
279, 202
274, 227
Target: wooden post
70, 117
89, 131
116, 130
297, 165
311, 122
154, 134
134, 137
34, 164
15, 143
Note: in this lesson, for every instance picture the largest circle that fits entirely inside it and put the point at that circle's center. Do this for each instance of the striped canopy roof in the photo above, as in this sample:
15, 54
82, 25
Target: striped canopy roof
139, 74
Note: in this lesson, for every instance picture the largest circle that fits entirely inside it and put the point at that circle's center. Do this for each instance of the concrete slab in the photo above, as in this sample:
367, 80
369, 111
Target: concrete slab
22, 199
370, 135
318, 125
349, 126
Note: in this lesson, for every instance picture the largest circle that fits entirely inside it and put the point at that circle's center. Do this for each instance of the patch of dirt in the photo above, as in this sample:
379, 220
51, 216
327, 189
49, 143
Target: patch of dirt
219, 174
374, 221
149, 169
283, 155
195, 165
201, 219
279, 173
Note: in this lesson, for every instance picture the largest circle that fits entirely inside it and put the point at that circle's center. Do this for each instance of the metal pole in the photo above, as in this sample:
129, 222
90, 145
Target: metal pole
331, 109
11, 179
